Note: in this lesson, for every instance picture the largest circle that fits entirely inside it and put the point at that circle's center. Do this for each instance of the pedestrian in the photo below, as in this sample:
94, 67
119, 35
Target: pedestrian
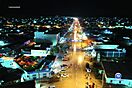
93, 85
90, 82
90, 86
89, 74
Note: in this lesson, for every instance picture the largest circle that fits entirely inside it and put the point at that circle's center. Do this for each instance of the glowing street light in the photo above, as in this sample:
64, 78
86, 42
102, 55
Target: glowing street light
80, 59
76, 19
74, 48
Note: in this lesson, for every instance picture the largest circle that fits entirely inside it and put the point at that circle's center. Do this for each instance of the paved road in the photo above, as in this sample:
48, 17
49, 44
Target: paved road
77, 74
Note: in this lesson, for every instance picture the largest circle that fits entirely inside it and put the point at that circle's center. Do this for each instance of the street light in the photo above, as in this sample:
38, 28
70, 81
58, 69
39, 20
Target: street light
103, 75
103, 79
76, 19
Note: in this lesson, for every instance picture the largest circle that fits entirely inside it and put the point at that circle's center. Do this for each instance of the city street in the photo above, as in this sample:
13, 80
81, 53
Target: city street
76, 75
65, 51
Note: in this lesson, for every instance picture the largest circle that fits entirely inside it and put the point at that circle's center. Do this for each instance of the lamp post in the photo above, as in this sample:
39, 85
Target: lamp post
103, 79
103, 75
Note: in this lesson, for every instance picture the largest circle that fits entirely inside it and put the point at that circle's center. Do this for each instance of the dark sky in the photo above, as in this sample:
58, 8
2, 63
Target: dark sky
67, 7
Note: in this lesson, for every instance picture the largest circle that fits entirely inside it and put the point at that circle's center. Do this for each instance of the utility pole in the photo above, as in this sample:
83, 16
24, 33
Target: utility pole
103, 79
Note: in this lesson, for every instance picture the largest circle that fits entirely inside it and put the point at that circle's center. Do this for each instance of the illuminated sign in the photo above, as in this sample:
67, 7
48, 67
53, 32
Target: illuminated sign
118, 75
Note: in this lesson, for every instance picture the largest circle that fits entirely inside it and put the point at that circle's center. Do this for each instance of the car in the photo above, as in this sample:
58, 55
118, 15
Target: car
88, 69
53, 86
63, 70
64, 75
65, 59
58, 76
65, 54
64, 65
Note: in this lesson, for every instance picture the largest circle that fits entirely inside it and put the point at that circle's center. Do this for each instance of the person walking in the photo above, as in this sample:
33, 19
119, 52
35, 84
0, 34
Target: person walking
90, 82
90, 86
93, 85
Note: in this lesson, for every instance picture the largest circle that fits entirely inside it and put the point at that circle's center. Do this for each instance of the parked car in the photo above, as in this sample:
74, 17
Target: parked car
52, 86
65, 59
64, 65
65, 75
88, 68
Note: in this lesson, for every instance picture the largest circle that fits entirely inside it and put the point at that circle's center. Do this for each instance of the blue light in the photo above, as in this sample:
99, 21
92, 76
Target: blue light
47, 69
118, 75
18, 30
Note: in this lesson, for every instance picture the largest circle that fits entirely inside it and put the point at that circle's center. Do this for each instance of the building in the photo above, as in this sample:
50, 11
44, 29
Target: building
42, 70
108, 53
127, 41
8, 62
35, 75
27, 84
37, 48
117, 73
106, 46
53, 36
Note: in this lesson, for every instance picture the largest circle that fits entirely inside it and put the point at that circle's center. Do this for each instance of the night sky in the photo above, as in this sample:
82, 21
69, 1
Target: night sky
67, 7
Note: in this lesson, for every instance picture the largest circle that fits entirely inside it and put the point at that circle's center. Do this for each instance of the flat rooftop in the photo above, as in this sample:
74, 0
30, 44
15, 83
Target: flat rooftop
50, 31
111, 68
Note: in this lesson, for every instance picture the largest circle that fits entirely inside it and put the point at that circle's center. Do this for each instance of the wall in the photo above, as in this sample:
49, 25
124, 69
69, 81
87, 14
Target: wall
34, 75
127, 82
51, 37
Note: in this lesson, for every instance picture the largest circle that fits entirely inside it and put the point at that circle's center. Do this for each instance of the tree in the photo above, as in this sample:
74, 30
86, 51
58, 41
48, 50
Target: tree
54, 50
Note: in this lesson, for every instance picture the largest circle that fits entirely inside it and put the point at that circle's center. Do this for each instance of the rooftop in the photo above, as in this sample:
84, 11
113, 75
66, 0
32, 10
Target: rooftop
5, 41
50, 31
40, 44
111, 68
